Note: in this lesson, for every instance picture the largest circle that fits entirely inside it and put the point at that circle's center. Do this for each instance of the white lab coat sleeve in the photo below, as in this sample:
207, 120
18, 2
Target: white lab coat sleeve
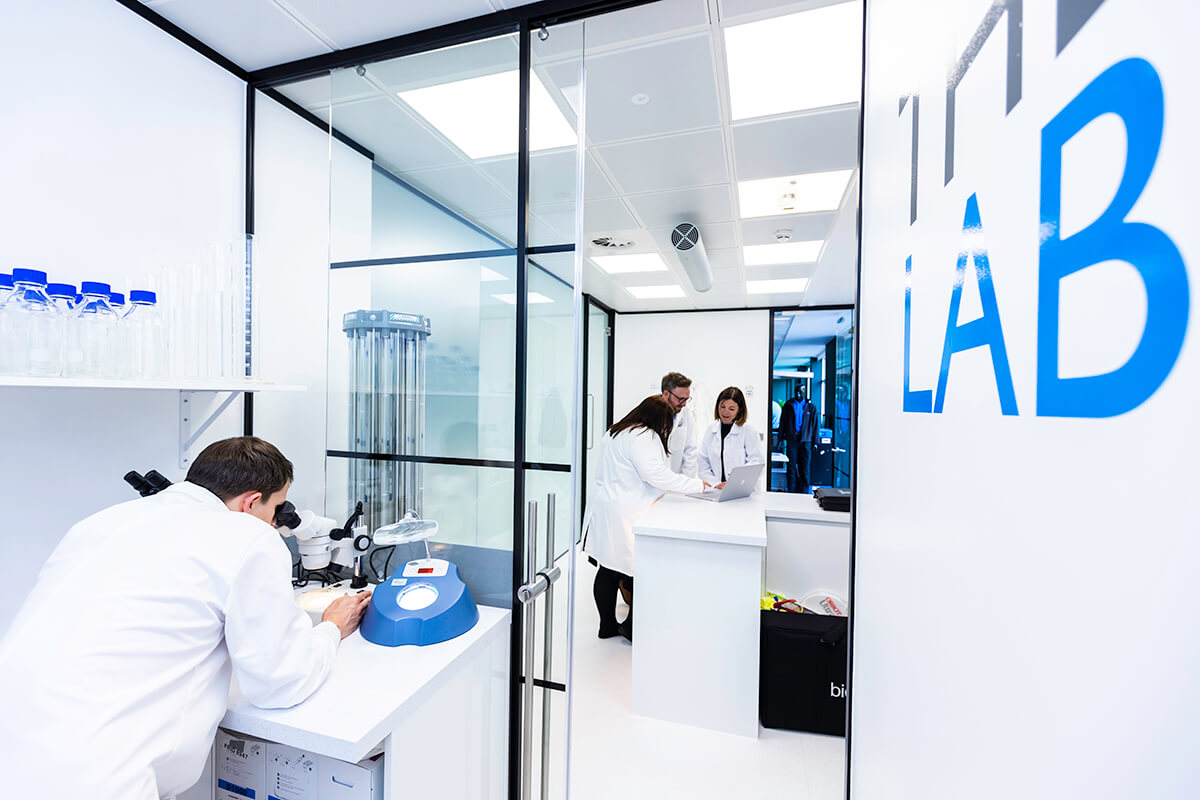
650, 460
690, 452
755, 450
279, 657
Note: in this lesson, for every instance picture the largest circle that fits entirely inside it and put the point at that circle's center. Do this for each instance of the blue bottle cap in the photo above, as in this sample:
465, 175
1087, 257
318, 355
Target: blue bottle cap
60, 290
94, 287
116, 298
20, 275
142, 296
6, 280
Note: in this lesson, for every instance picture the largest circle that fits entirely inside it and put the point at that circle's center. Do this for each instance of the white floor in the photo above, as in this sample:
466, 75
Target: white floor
618, 756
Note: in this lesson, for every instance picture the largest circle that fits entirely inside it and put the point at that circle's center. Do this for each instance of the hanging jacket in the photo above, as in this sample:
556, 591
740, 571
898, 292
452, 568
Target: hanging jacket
798, 422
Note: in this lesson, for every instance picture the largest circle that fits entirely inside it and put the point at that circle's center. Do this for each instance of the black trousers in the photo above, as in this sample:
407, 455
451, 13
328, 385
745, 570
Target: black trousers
604, 591
798, 454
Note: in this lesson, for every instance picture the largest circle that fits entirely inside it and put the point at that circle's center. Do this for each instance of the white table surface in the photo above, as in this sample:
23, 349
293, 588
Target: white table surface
676, 516
781, 505
369, 693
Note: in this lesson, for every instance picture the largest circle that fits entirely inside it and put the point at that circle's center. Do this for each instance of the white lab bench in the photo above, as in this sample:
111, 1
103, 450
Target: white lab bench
440, 712
700, 569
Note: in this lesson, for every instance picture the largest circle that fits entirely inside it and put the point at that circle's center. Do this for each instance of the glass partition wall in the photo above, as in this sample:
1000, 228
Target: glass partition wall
455, 338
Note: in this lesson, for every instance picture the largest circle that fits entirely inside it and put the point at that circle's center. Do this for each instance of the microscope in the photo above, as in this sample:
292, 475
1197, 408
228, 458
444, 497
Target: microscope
321, 542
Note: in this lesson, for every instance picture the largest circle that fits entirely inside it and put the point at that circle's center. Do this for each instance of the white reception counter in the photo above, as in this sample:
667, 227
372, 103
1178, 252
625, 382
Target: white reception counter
700, 569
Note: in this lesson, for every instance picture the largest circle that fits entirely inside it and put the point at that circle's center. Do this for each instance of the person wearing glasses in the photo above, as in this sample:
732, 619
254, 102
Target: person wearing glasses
730, 441
677, 390
633, 473
116, 671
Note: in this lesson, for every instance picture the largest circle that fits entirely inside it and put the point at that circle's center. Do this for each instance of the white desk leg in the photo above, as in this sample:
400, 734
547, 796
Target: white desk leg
696, 633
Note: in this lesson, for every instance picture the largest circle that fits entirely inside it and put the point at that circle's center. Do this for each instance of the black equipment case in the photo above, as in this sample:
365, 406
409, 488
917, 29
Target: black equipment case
802, 672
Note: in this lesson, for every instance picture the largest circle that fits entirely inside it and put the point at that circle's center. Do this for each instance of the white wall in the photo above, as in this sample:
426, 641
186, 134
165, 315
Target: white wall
291, 224
1025, 585
715, 349
121, 155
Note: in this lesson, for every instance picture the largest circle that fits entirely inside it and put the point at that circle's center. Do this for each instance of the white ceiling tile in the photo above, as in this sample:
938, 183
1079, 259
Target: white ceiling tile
313, 94
698, 206
780, 271
393, 135
664, 17
724, 258
601, 217
814, 142
446, 65
733, 10
363, 21
804, 227
551, 177
250, 33
677, 75
462, 188
668, 162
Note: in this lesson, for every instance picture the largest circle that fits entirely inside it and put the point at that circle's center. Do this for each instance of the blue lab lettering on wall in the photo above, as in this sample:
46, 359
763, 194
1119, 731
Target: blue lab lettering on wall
921, 401
984, 331
1132, 90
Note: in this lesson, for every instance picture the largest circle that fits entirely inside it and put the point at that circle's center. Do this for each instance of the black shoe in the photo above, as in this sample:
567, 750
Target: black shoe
626, 630
608, 633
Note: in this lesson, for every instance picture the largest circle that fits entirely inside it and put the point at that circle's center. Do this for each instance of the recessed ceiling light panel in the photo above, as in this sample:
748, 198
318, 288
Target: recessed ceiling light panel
793, 194
800, 61
631, 262
655, 292
479, 115
777, 286
757, 255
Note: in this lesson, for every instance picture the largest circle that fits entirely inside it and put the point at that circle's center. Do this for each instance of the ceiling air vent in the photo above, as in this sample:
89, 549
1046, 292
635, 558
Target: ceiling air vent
685, 236
611, 243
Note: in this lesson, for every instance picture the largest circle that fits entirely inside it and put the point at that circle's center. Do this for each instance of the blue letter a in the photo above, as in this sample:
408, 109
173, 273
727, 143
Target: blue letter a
1131, 90
981, 332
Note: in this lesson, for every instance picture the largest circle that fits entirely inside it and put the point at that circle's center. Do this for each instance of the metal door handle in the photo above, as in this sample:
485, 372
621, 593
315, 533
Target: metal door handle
539, 583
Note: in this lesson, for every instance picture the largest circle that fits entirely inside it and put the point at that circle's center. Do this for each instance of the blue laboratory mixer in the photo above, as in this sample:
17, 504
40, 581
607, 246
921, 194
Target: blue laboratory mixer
424, 601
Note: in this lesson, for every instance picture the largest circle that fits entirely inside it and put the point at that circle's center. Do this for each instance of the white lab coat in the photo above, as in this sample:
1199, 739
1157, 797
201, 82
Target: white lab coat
116, 671
742, 446
633, 472
682, 443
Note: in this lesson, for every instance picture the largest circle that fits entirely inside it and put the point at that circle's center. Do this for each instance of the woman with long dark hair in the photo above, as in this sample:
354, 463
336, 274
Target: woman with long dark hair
633, 473
730, 440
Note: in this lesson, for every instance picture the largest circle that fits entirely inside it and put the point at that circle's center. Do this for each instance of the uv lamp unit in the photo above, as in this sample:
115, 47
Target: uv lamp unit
387, 409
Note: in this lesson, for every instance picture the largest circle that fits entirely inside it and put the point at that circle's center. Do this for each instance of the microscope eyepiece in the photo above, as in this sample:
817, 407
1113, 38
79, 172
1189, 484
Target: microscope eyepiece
157, 480
286, 516
139, 483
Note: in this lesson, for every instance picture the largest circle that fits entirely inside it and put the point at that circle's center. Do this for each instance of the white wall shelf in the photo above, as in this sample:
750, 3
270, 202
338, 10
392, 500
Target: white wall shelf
172, 384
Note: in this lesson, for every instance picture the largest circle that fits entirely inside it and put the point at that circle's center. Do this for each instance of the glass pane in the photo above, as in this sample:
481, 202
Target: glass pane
551, 366
462, 371
595, 412
555, 97
811, 379
472, 506
439, 180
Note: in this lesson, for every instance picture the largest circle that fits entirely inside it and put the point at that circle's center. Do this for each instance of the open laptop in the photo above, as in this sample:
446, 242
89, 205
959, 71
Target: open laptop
740, 482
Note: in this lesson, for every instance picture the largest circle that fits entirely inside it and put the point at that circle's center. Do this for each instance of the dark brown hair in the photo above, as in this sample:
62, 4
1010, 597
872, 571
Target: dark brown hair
675, 380
735, 394
232, 467
653, 414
